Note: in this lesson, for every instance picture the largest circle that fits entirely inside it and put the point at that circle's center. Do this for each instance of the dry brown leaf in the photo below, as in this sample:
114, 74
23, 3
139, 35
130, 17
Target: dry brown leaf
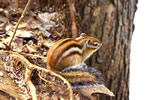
31, 49
47, 18
3, 18
47, 43
17, 43
23, 34
23, 25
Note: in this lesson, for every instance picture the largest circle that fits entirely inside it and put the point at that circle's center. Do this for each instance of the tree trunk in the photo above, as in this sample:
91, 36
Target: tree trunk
112, 22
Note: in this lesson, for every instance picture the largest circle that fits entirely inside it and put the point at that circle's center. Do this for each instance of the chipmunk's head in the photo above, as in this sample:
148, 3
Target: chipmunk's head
90, 44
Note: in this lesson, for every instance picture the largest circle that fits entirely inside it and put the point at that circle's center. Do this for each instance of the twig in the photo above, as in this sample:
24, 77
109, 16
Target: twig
30, 84
28, 72
73, 19
58, 76
65, 81
32, 66
22, 15
45, 79
35, 56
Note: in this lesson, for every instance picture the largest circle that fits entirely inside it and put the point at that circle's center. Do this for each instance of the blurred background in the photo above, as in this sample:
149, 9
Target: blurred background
140, 54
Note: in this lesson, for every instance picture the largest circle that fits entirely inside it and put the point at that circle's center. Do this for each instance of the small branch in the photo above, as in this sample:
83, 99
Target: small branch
73, 19
28, 72
32, 66
30, 84
65, 81
58, 76
45, 79
23, 13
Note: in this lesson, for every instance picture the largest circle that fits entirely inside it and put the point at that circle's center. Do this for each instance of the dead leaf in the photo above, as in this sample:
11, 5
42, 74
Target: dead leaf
23, 34
31, 49
47, 43
47, 18
3, 18
17, 43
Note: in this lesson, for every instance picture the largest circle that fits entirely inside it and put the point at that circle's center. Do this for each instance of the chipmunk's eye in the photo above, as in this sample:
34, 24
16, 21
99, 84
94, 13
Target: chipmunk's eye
95, 44
92, 44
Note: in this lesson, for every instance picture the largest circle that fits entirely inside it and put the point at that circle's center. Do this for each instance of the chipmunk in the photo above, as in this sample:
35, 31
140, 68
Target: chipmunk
68, 56
85, 79
68, 52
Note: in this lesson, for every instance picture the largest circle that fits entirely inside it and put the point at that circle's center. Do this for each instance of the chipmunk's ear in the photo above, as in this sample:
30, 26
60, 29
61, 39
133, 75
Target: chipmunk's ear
83, 34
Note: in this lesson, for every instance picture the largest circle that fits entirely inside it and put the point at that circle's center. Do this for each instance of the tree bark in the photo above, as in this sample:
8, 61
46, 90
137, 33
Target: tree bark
111, 21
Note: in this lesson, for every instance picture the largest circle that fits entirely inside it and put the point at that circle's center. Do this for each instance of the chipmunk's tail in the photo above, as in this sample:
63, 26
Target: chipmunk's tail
86, 79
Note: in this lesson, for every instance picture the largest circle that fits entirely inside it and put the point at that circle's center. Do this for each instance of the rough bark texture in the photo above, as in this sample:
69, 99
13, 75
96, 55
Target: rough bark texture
112, 22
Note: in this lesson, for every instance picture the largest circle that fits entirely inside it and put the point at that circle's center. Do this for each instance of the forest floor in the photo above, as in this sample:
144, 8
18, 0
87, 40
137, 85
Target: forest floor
36, 33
